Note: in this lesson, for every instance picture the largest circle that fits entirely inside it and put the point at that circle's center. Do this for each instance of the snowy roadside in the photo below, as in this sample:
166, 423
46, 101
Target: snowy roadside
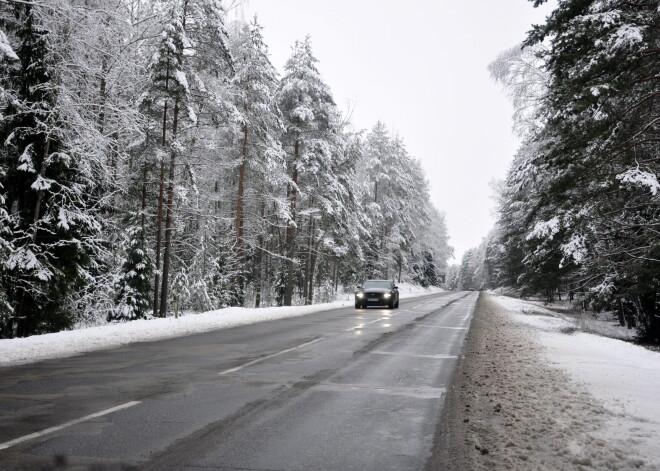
532, 393
600, 323
74, 342
623, 377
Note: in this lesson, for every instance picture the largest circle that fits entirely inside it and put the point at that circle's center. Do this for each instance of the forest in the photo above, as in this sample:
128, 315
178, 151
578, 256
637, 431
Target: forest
154, 160
579, 211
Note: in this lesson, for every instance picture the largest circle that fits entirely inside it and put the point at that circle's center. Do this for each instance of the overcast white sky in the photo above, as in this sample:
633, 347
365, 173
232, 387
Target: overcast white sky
421, 68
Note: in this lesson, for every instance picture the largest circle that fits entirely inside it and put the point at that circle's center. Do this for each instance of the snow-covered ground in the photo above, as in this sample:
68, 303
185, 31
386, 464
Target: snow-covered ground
601, 323
620, 421
73, 342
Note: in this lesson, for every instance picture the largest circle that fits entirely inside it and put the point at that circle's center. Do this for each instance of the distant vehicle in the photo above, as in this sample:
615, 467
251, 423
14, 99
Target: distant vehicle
472, 289
377, 293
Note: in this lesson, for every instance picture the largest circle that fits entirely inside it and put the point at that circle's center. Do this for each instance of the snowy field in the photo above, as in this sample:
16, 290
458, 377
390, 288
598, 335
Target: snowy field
624, 380
73, 342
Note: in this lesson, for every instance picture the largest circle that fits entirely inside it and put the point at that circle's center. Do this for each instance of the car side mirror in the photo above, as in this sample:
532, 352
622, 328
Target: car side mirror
359, 287
396, 287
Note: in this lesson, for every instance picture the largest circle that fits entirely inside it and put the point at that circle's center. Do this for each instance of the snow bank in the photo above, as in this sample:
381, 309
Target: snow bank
624, 378
601, 323
408, 290
73, 342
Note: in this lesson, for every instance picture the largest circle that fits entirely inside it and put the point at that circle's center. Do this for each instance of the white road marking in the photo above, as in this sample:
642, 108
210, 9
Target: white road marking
416, 355
420, 392
25, 438
366, 323
258, 360
440, 327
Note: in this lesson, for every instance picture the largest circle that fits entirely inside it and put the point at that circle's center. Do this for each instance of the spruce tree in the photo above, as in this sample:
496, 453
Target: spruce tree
580, 204
161, 103
49, 190
600, 150
133, 288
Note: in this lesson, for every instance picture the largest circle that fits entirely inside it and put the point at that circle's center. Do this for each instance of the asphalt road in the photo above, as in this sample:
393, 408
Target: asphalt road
338, 390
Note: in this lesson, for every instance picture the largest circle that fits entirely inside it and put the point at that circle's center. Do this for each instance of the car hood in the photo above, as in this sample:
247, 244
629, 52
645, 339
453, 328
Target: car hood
376, 290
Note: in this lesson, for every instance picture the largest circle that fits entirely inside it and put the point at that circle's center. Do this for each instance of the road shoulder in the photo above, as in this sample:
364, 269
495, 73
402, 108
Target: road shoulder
508, 408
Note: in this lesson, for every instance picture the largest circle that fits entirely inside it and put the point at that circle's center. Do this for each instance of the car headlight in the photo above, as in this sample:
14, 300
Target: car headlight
359, 295
387, 295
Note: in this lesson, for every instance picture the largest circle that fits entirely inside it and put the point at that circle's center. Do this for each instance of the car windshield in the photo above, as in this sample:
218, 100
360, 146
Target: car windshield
377, 284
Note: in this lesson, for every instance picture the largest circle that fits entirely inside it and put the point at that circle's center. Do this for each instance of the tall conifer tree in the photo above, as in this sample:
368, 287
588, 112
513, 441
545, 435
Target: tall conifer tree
309, 114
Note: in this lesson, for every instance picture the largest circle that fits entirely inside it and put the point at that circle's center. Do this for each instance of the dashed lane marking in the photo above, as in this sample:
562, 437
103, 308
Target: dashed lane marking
366, 323
31, 436
267, 357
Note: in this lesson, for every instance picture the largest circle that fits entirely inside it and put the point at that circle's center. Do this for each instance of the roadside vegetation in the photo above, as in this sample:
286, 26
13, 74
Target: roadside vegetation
579, 211
153, 159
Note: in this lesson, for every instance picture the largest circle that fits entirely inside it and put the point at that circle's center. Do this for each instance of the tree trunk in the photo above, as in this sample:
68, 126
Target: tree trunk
312, 267
241, 192
144, 199
169, 218
161, 186
159, 230
308, 259
102, 95
240, 249
309, 275
258, 257
267, 270
335, 275
291, 228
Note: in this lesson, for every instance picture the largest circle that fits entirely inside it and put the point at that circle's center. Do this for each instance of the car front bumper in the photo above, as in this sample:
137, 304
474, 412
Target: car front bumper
374, 299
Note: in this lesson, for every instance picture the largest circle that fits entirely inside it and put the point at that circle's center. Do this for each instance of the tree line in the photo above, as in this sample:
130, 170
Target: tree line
579, 210
153, 159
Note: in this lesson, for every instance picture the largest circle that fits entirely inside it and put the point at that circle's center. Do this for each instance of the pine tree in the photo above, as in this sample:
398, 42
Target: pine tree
309, 115
192, 56
254, 84
167, 91
396, 202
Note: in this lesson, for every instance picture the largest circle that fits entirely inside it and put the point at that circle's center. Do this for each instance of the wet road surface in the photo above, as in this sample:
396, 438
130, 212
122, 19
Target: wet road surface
336, 390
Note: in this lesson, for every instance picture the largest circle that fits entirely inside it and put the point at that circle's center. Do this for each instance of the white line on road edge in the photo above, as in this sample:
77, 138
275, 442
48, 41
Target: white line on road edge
231, 370
25, 438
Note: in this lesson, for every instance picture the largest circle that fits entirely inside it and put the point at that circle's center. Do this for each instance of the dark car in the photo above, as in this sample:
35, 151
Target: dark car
377, 293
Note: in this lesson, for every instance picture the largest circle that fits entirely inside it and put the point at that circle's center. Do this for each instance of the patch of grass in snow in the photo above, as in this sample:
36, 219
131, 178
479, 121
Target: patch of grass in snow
536, 312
